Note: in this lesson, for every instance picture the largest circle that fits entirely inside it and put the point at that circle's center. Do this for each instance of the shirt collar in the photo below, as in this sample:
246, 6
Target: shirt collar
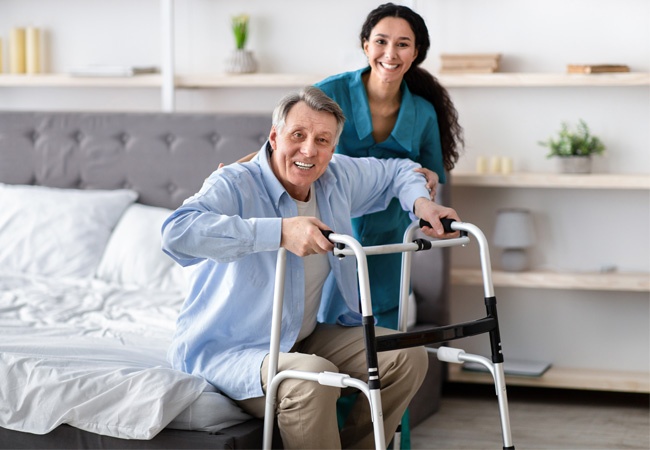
271, 182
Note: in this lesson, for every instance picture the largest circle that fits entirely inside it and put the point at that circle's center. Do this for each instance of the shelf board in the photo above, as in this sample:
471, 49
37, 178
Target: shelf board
553, 180
261, 80
566, 378
181, 81
632, 281
515, 79
65, 80
455, 80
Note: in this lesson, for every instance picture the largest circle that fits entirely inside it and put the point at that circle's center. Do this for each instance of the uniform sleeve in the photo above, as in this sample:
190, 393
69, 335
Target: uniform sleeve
431, 147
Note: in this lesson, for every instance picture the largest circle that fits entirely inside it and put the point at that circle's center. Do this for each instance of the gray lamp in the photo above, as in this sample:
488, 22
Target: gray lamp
514, 233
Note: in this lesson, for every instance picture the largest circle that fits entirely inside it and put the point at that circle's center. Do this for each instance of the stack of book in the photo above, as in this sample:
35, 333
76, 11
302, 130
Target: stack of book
469, 62
596, 68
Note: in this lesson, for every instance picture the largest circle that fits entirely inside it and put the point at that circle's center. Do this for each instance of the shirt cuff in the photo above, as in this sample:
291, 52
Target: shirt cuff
268, 234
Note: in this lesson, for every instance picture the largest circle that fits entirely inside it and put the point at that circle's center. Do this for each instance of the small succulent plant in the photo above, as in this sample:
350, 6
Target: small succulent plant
578, 142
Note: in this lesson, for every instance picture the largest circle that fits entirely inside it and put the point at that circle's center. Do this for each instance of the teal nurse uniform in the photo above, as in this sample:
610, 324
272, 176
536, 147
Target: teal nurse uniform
415, 136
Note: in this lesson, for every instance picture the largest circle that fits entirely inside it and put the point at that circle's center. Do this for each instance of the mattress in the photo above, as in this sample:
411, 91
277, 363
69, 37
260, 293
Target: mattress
92, 355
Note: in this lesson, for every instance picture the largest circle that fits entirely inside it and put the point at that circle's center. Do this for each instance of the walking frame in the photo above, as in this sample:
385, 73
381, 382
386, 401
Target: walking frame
348, 246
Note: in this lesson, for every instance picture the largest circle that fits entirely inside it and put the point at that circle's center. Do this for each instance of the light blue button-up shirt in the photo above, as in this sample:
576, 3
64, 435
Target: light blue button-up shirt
232, 228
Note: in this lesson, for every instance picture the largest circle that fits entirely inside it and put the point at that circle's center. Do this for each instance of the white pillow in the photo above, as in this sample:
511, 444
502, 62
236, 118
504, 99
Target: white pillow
134, 256
57, 232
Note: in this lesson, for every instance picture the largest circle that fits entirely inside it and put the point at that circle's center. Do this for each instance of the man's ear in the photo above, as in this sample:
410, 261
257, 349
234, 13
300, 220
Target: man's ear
273, 135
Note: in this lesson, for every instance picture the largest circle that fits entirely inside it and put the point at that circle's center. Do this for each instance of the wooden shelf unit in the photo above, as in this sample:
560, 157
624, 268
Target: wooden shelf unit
265, 80
553, 180
596, 281
565, 378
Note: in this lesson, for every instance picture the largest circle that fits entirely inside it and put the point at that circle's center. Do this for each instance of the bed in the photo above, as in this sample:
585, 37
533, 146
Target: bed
87, 299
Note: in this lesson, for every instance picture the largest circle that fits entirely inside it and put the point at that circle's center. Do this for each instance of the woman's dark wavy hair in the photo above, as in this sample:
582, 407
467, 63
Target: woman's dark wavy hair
420, 81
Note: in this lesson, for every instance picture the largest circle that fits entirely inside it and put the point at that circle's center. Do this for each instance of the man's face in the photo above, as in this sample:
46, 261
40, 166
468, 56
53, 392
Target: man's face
302, 149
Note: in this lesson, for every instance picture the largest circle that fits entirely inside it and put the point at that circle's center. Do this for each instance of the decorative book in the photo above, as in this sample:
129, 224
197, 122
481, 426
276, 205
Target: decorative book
111, 71
469, 62
596, 68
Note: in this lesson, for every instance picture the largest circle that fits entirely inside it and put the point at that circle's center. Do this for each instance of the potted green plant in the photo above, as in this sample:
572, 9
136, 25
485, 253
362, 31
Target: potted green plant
240, 30
240, 60
574, 147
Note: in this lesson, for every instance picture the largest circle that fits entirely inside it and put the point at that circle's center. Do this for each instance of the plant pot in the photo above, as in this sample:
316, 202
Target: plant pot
574, 164
241, 61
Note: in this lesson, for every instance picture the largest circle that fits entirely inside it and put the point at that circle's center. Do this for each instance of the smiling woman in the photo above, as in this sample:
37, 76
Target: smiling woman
394, 109
391, 51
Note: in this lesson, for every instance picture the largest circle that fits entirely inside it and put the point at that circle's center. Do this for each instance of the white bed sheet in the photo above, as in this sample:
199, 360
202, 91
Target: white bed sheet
92, 355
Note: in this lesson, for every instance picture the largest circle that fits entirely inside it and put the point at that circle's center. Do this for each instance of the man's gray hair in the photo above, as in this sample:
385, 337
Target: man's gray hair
316, 100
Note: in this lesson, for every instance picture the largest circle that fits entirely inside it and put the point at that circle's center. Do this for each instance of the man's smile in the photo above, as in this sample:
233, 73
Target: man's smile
303, 166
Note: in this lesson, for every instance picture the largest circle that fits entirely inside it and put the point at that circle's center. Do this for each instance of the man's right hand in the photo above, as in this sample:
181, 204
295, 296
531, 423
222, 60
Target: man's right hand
302, 236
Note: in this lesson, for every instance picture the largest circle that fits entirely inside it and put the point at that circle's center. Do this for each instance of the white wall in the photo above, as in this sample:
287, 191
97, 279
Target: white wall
578, 230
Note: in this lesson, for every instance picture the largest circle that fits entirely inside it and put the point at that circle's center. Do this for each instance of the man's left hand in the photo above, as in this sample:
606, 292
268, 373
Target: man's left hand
432, 213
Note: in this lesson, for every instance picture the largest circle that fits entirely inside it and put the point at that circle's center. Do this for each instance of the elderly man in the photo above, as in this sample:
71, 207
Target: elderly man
294, 188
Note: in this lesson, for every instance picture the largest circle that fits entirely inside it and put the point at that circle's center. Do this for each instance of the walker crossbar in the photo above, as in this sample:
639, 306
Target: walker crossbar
435, 335
415, 246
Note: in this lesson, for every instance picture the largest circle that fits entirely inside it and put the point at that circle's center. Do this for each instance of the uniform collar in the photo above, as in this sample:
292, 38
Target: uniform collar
402, 132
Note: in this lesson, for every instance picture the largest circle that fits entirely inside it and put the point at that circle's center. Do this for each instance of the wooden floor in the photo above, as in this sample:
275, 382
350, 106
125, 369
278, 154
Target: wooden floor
539, 418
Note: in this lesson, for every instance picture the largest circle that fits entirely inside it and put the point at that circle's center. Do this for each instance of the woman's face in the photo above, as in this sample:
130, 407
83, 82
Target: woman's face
390, 49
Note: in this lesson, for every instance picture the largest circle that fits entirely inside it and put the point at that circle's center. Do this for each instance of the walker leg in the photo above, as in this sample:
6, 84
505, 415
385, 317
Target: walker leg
502, 397
397, 439
377, 419
458, 356
269, 417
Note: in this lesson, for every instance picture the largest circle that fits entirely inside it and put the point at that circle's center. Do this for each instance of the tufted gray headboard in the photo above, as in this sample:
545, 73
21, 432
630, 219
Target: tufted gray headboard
165, 157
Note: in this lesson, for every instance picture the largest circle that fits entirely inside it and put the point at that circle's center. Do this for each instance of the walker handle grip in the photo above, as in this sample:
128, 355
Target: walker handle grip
326, 233
446, 224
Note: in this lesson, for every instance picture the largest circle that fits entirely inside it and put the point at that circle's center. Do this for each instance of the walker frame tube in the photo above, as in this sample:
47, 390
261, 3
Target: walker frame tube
374, 383
371, 389
489, 324
274, 354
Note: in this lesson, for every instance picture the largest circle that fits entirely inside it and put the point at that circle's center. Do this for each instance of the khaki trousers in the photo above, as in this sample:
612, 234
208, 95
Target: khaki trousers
306, 410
